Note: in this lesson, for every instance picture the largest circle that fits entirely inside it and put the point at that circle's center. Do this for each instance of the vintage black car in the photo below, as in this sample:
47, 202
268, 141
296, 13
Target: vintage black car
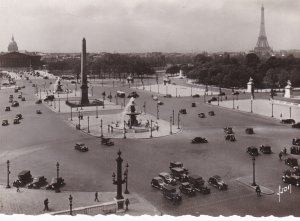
157, 182
235, 93
39, 101
37, 182
198, 183
168, 95
15, 104
55, 183
296, 141
217, 182
16, 121
199, 140
167, 178
249, 130
296, 125
24, 177
221, 94
213, 99
4, 122
228, 130
19, 96
265, 149
230, 137
253, 151
133, 94
179, 165
38, 112
19, 116
201, 115
171, 193
160, 102
23, 99
292, 162
193, 104
211, 113
291, 178
182, 111
81, 147
49, 98
187, 189
179, 174
196, 95
287, 121
7, 108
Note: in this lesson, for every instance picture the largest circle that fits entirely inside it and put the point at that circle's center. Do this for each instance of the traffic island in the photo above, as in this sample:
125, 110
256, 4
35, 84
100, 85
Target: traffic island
247, 181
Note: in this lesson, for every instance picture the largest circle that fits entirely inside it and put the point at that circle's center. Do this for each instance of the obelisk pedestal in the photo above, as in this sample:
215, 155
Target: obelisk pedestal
288, 90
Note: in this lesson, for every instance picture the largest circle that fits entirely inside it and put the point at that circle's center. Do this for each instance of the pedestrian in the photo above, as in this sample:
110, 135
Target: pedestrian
258, 191
108, 128
127, 204
18, 187
280, 155
96, 197
46, 203
112, 129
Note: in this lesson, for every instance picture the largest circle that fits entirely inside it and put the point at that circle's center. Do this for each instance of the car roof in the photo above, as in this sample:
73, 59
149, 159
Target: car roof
157, 178
185, 183
24, 172
178, 169
169, 187
164, 174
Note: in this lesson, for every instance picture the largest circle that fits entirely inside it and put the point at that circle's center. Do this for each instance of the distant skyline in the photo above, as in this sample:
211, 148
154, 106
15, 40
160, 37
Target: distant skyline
148, 25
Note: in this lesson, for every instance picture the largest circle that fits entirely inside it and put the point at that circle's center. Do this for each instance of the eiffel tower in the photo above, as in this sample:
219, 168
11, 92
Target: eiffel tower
262, 45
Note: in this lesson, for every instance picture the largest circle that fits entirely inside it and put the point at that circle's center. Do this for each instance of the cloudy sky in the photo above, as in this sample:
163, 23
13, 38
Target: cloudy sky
147, 25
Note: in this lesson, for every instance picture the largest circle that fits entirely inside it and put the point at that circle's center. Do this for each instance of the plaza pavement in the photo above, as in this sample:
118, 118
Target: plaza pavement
31, 201
263, 107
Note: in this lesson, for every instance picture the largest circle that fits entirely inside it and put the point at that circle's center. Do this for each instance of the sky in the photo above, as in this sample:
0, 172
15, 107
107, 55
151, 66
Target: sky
147, 25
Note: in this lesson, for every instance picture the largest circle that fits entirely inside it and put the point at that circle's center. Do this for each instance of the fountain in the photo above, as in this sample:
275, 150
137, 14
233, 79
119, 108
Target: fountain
132, 114
58, 85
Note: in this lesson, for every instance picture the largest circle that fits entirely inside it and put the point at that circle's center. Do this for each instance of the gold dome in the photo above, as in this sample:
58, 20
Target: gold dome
12, 45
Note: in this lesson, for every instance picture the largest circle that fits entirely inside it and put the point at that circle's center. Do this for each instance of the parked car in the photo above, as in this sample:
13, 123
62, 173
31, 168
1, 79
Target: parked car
179, 165
187, 189
155, 98
19, 96
291, 178
23, 99
296, 125
292, 162
193, 104
49, 98
196, 95
253, 151
38, 112
4, 122
160, 102
198, 183
228, 130
288, 121
295, 150
39, 101
24, 177
81, 147
182, 111
15, 104
265, 149
133, 94
55, 183
230, 137
171, 193
296, 141
11, 96
37, 182
16, 121
201, 115
167, 178
213, 99
157, 182
249, 130
235, 93
199, 140
217, 182
221, 94
168, 95
7, 108
211, 113
19, 116
179, 174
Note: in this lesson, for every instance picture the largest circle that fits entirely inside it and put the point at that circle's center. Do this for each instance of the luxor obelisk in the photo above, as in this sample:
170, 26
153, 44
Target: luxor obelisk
84, 87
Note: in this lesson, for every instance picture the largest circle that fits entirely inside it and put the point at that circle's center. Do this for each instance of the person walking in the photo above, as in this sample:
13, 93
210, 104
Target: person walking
46, 203
280, 155
18, 187
96, 197
258, 191
127, 204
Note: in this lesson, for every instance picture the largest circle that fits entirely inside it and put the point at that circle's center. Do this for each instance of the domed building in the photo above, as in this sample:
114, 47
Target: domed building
15, 59
12, 45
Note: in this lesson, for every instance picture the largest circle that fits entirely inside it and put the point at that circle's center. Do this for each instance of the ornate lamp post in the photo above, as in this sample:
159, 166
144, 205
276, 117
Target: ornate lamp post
251, 101
144, 106
218, 100
8, 172
57, 170
119, 181
253, 163
178, 120
126, 179
290, 112
171, 125
124, 130
157, 112
232, 102
71, 201
272, 108
58, 104
97, 111
176, 91
151, 128
75, 88
173, 117
79, 119
88, 119
71, 114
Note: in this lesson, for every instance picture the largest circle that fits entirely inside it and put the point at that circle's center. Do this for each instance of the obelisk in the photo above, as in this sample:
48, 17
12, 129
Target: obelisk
84, 87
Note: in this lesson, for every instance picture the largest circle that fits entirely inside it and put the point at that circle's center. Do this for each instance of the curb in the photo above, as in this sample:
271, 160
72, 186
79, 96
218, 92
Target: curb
264, 190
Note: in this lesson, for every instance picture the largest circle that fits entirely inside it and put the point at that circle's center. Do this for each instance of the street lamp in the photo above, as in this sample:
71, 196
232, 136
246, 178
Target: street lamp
232, 102
57, 170
171, 125
88, 119
71, 114
70, 201
290, 112
151, 128
8, 172
218, 100
79, 119
272, 108
101, 128
157, 112
126, 179
119, 181
178, 119
253, 163
124, 130
251, 108
58, 104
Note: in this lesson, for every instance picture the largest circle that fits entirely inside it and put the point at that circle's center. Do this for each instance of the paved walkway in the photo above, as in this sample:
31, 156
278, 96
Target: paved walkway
31, 202
248, 182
